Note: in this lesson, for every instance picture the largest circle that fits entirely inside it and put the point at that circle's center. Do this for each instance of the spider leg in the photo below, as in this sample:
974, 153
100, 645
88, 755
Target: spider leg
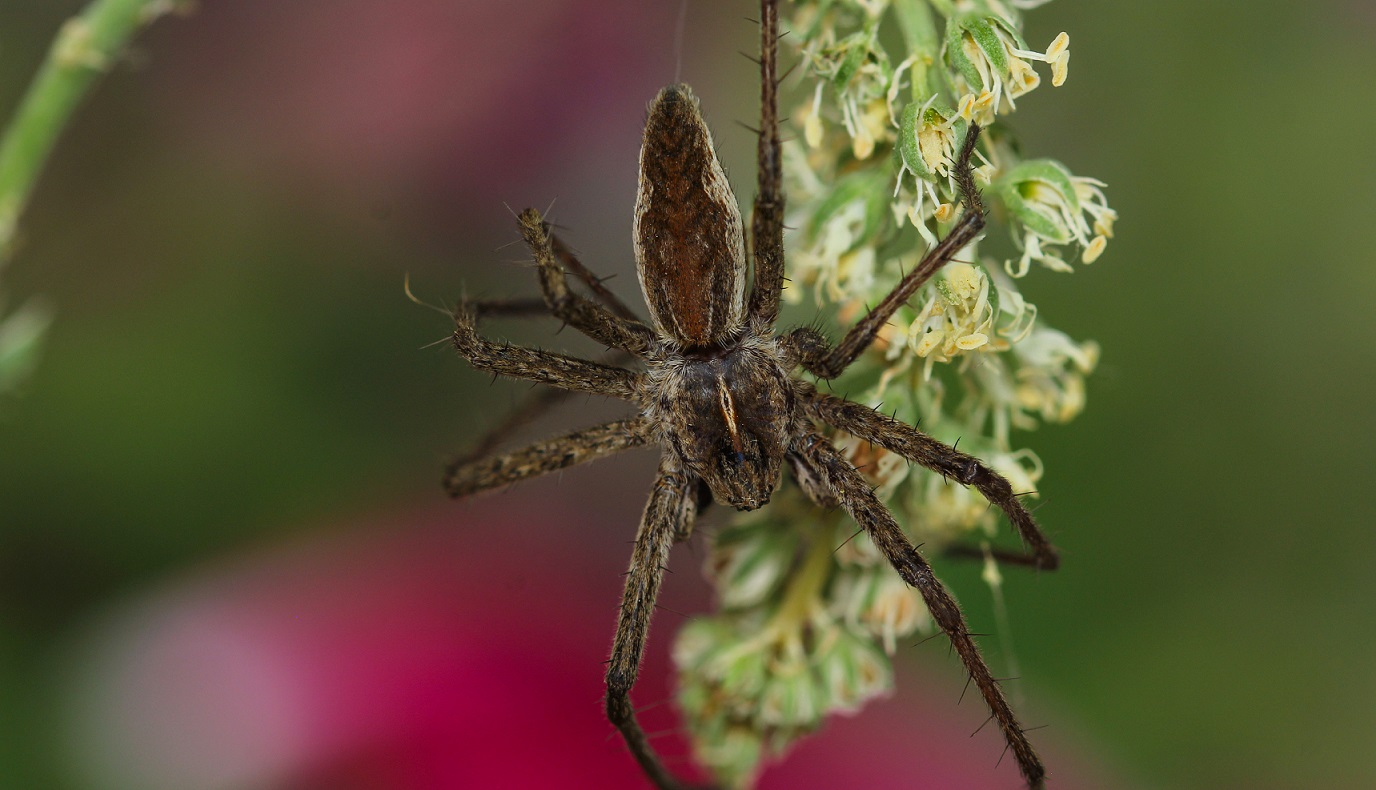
530, 408
907, 441
504, 308
464, 477
671, 504
531, 364
767, 221
859, 500
695, 504
539, 307
587, 316
812, 350
814, 487
592, 281
542, 399
966, 551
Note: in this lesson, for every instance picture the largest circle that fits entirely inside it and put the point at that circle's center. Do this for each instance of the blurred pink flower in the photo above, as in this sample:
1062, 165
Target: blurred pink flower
433, 659
457, 97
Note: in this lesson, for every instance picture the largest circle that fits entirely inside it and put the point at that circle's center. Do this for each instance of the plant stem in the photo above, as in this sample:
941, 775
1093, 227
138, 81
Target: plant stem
84, 48
920, 37
805, 585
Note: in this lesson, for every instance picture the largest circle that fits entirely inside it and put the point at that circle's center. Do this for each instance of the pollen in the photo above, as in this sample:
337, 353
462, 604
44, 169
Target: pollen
972, 341
863, 143
1095, 249
1059, 68
812, 131
1058, 45
927, 344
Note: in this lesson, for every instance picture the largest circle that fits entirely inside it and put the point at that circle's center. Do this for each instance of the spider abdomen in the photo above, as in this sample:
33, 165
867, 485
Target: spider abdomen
689, 242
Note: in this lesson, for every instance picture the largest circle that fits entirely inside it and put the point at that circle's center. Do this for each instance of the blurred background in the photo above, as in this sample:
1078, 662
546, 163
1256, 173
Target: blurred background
225, 559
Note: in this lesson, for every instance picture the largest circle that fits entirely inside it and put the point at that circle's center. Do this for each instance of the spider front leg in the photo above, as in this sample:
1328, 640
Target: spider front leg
571, 264
812, 350
587, 316
897, 437
767, 220
465, 477
544, 367
669, 512
850, 487
543, 399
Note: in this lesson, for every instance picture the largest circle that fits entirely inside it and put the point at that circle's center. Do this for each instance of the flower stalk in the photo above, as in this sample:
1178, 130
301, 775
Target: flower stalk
807, 622
86, 46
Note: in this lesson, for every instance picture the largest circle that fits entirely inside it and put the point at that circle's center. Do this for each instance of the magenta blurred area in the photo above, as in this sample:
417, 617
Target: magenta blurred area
446, 103
442, 650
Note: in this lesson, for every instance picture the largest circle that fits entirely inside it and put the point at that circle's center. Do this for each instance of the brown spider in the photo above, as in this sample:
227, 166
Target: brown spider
716, 389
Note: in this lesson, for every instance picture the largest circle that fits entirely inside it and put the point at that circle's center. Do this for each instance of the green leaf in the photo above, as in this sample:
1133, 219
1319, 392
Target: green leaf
21, 339
993, 292
987, 40
908, 148
869, 186
1011, 29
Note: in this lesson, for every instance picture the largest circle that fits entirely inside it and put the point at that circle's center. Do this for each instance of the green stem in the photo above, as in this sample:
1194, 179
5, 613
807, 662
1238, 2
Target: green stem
945, 7
920, 38
805, 585
84, 48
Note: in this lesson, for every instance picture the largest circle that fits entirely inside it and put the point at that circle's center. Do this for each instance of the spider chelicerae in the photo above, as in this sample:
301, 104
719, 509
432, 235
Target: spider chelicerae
715, 383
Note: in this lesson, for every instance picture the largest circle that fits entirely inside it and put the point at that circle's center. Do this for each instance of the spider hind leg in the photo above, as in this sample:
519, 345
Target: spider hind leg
854, 492
811, 348
668, 513
907, 441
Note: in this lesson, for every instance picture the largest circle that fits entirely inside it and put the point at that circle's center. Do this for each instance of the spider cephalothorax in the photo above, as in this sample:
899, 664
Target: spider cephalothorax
715, 383
726, 414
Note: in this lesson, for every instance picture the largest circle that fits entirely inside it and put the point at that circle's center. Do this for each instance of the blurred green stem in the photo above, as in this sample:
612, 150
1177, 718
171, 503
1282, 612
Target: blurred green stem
920, 36
84, 48
804, 592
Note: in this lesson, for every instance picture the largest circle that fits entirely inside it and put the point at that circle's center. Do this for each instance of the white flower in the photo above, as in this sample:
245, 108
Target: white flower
929, 141
879, 603
1055, 208
989, 61
957, 318
1051, 376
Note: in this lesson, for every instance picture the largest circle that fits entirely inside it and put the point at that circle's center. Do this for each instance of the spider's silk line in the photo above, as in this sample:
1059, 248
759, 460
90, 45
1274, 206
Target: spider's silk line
678, 40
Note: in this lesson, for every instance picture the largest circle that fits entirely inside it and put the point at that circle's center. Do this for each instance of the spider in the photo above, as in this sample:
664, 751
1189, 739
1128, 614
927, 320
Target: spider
716, 387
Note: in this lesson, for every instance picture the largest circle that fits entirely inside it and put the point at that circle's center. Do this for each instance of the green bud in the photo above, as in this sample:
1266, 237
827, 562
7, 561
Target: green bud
734, 757
877, 602
853, 671
740, 670
1021, 191
993, 290
869, 186
697, 640
793, 697
856, 47
748, 563
980, 29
